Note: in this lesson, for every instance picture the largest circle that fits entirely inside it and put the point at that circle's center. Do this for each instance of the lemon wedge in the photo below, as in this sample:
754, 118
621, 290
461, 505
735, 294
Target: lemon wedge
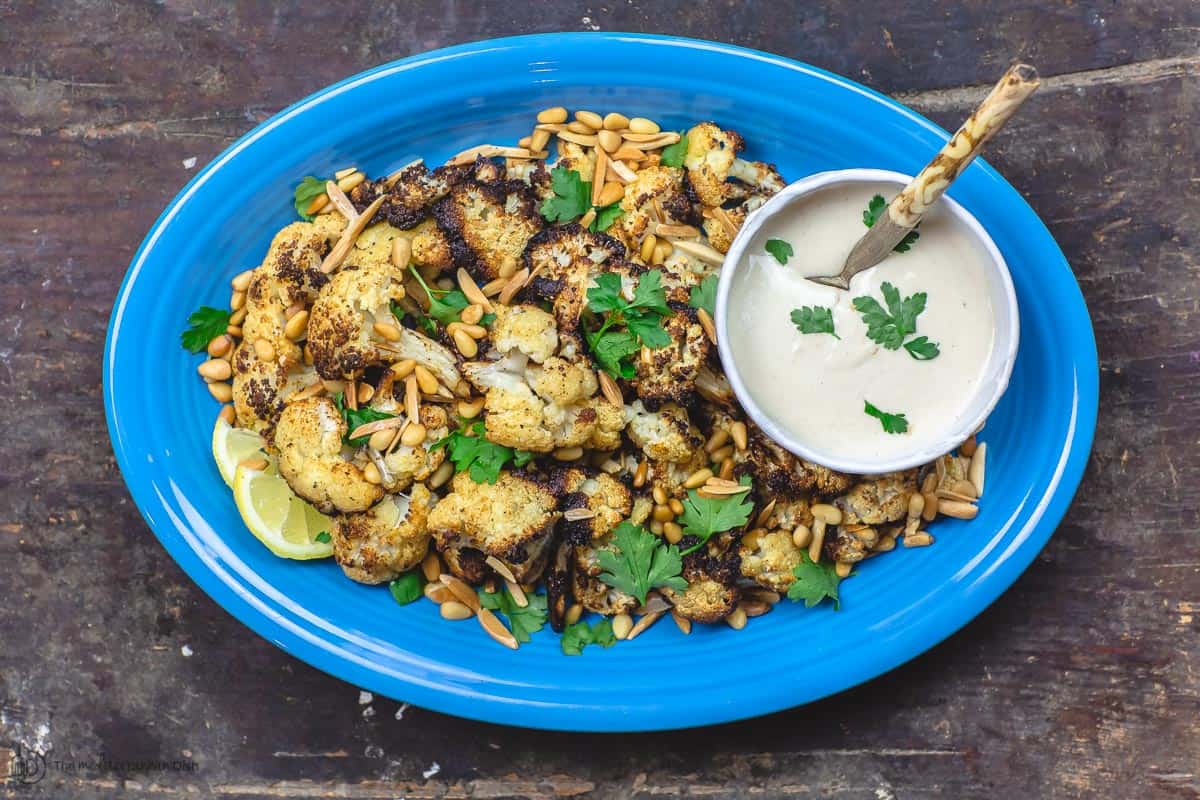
231, 446
287, 525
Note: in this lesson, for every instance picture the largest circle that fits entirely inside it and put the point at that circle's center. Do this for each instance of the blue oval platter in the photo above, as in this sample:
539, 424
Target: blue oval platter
436, 104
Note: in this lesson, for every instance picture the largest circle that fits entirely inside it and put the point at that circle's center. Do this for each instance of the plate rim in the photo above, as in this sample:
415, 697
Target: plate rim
564, 715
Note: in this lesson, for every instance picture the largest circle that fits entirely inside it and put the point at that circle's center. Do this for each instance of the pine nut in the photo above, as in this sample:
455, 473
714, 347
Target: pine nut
364, 393
842, 568
425, 379
474, 331
741, 437
662, 251
387, 330
402, 369
539, 139
660, 495
614, 121
382, 440
222, 392
640, 474
676, 506
414, 433
628, 154
919, 539
297, 326
697, 479
643, 125
442, 474
610, 141
929, 483
610, 390
663, 513
215, 369
916, 504
371, 474
437, 592
495, 628
568, 453
465, 344
228, 414
930, 511
318, 205
524, 141
452, 609
471, 289
591, 119
264, 350
967, 448
818, 540
647, 250
755, 608
622, 624
514, 285
656, 527
673, 532
469, 409
472, 314
751, 539
716, 441
219, 346
238, 317
726, 472
957, 509
831, 515
552, 116
350, 181
237, 300
722, 454
977, 469
801, 537
886, 544
241, 281
737, 618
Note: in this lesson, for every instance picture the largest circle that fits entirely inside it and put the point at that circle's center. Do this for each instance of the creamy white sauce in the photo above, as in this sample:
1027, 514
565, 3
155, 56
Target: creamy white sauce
814, 385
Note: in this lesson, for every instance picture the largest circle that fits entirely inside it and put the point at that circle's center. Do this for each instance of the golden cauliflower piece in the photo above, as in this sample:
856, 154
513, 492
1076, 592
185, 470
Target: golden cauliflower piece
768, 559
488, 224
341, 335
607, 499
712, 591
670, 372
261, 389
311, 459
526, 328
593, 593
409, 195
664, 435
404, 464
429, 245
877, 500
657, 189
434, 356
573, 156
511, 519
712, 161
387, 540
782, 473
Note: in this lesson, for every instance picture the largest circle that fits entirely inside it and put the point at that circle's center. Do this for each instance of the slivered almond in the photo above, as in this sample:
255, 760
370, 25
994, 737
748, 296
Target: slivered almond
701, 251
312, 390
340, 201
610, 390
643, 623
587, 219
578, 138
351, 395
464, 593
368, 428
471, 289
676, 231
684, 623
647, 141
978, 467
501, 568
726, 221
412, 397
319, 202
761, 520
514, 285
598, 175
340, 250
490, 151
576, 514
622, 172
957, 509
706, 322
495, 628
953, 496
628, 153
437, 592
518, 594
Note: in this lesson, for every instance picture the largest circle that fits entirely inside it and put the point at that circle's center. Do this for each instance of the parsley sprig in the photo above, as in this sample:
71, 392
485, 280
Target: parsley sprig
407, 588
890, 327
673, 154
814, 583
705, 295
892, 423
356, 417
572, 199
780, 249
523, 621
205, 324
470, 450
640, 318
814, 319
579, 635
703, 517
447, 307
642, 562
874, 211
308, 190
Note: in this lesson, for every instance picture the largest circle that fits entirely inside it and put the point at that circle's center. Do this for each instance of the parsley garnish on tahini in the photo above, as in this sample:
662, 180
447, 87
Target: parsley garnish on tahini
871, 215
814, 319
780, 249
892, 423
641, 318
890, 327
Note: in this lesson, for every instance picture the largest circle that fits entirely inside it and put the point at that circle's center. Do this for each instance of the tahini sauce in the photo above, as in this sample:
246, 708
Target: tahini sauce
814, 385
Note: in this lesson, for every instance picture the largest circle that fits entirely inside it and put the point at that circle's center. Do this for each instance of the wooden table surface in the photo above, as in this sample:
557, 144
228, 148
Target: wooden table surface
1082, 681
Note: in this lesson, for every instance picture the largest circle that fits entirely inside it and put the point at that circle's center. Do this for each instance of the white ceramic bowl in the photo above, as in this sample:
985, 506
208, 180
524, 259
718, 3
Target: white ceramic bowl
993, 379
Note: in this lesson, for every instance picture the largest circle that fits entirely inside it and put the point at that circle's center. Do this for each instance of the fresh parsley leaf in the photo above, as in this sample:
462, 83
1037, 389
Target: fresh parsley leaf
814, 319
892, 423
705, 516
309, 189
674, 154
780, 249
572, 196
642, 317
814, 583
580, 635
888, 328
921, 348
522, 620
406, 588
323, 537
444, 309
483, 459
642, 562
705, 295
606, 216
355, 417
872, 214
207, 323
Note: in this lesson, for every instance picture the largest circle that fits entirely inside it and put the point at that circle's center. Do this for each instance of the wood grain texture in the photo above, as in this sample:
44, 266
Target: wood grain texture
1082, 681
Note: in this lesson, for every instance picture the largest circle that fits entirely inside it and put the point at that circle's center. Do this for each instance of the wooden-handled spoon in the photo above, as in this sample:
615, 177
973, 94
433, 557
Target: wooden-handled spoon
907, 208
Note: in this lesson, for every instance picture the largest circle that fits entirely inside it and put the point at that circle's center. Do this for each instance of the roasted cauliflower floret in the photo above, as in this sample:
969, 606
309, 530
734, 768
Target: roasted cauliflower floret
409, 195
712, 160
404, 464
525, 328
768, 559
607, 500
434, 356
713, 386
573, 156
387, 540
656, 196
511, 519
878, 500
670, 372
782, 473
670, 475
429, 245
488, 224
664, 435
712, 591
341, 334
261, 389
564, 261
593, 593
790, 513
312, 460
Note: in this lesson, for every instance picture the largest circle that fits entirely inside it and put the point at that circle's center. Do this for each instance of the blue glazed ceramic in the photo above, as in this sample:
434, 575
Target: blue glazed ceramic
433, 105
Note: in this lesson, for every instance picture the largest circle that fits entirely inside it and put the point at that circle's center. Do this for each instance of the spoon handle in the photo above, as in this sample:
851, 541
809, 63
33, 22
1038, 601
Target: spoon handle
1013, 89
